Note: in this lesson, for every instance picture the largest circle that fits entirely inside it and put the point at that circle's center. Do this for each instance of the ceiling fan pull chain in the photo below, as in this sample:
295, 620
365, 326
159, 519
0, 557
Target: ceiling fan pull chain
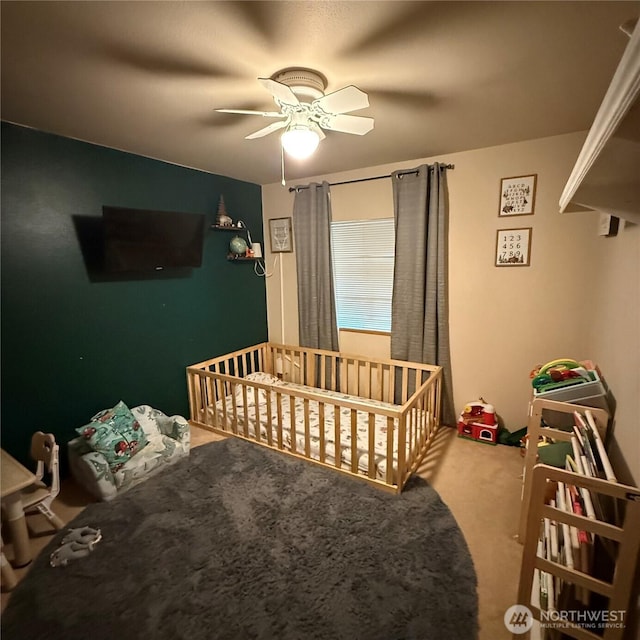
282, 164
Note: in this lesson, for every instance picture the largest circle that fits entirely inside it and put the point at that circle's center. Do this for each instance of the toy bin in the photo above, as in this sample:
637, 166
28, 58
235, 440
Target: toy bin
589, 394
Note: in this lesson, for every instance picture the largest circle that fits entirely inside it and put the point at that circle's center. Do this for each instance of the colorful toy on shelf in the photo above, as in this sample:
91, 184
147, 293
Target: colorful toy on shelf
562, 372
478, 422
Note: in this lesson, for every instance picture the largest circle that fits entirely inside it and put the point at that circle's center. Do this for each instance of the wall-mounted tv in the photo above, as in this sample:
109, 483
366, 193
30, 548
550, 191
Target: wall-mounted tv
138, 240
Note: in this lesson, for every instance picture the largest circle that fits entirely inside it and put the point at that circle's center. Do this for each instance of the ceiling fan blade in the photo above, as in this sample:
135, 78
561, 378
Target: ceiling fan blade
279, 91
274, 126
344, 100
248, 112
347, 124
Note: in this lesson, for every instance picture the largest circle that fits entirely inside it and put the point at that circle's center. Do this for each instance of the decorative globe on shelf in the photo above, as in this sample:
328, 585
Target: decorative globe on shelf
238, 246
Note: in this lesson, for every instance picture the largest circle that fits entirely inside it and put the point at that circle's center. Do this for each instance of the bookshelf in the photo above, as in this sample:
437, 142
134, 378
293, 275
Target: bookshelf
579, 527
561, 415
596, 591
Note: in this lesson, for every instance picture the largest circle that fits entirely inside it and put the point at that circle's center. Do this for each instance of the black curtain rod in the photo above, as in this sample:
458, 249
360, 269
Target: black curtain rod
401, 173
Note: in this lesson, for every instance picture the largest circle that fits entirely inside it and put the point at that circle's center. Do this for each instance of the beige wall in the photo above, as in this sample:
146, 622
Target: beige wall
503, 321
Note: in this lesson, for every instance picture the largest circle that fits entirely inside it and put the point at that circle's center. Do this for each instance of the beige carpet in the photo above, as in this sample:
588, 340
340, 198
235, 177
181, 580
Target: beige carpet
479, 483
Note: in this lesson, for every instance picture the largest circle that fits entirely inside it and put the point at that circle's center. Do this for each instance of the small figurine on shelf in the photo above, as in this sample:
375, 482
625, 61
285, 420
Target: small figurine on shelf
223, 219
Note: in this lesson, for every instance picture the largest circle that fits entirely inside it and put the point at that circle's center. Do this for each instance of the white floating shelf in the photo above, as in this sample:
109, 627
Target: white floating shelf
606, 176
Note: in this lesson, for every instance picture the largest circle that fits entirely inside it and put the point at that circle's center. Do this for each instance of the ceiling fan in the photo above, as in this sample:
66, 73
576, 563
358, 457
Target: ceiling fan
305, 110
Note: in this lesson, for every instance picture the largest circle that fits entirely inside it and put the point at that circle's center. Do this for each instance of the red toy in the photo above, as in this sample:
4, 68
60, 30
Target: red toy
478, 422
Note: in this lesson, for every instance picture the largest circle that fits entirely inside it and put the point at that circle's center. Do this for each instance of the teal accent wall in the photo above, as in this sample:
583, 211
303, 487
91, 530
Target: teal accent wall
73, 344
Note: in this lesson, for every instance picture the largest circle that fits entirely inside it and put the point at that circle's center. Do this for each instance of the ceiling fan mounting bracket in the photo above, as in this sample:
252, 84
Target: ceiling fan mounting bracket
305, 83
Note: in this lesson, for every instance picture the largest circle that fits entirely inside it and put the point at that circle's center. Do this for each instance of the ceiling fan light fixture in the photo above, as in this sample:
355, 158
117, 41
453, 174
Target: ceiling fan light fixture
305, 111
299, 141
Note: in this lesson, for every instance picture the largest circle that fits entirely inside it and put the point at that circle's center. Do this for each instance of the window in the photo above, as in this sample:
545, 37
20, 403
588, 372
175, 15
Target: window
363, 256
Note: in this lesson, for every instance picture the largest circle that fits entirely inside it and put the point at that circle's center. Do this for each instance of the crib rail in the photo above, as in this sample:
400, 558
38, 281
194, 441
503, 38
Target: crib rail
222, 400
391, 381
238, 363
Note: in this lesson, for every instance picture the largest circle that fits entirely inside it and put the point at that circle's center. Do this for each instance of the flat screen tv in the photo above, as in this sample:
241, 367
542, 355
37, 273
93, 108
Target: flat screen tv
137, 240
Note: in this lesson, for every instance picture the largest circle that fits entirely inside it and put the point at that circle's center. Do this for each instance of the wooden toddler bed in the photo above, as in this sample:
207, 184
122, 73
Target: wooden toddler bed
372, 419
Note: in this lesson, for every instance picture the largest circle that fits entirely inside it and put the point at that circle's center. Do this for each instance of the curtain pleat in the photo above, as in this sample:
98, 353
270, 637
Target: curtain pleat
420, 305
316, 300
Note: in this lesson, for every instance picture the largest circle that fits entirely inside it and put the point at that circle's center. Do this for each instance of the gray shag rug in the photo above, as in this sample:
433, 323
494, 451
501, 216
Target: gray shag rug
237, 542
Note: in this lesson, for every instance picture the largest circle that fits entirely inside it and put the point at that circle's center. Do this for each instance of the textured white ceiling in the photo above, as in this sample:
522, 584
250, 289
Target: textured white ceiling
145, 77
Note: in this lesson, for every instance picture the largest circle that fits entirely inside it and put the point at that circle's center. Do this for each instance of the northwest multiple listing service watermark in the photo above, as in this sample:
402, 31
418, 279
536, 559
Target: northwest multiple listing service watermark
518, 619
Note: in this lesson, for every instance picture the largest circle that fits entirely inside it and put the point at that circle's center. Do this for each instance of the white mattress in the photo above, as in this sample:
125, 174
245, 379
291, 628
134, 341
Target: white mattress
380, 461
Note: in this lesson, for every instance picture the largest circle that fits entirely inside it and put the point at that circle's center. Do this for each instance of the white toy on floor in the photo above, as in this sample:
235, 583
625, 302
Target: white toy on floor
78, 543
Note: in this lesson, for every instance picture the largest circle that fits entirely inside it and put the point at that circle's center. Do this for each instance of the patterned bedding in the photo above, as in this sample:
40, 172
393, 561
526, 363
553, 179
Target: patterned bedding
380, 438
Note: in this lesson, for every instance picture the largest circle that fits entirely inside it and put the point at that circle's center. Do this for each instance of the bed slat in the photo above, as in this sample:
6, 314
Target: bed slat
269, 421
292, 424
321, 433
307, 429
279, 402
354, 441
390, 434
245, 420
372, 445
337, 438
257, 422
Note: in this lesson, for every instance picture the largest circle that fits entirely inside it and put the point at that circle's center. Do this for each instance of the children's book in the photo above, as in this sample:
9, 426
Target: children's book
602, 453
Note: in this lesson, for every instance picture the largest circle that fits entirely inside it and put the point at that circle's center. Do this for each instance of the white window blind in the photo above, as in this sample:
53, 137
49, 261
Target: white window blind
363, 256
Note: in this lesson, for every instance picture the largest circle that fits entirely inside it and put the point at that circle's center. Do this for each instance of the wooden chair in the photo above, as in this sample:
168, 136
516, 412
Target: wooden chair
38, 497
7, 576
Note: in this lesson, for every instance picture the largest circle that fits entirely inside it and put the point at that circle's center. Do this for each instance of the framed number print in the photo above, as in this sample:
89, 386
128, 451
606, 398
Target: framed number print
513, 247
281, 233
517, 196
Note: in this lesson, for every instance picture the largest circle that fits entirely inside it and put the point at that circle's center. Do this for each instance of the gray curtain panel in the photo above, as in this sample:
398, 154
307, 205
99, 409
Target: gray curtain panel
420, 313
316, 301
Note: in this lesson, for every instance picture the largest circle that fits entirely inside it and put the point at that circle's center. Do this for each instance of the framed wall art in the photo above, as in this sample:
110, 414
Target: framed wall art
513, 247
281, 234
517, 196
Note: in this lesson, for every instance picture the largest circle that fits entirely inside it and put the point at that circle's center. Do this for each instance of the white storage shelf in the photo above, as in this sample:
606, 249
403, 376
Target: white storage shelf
605, 176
